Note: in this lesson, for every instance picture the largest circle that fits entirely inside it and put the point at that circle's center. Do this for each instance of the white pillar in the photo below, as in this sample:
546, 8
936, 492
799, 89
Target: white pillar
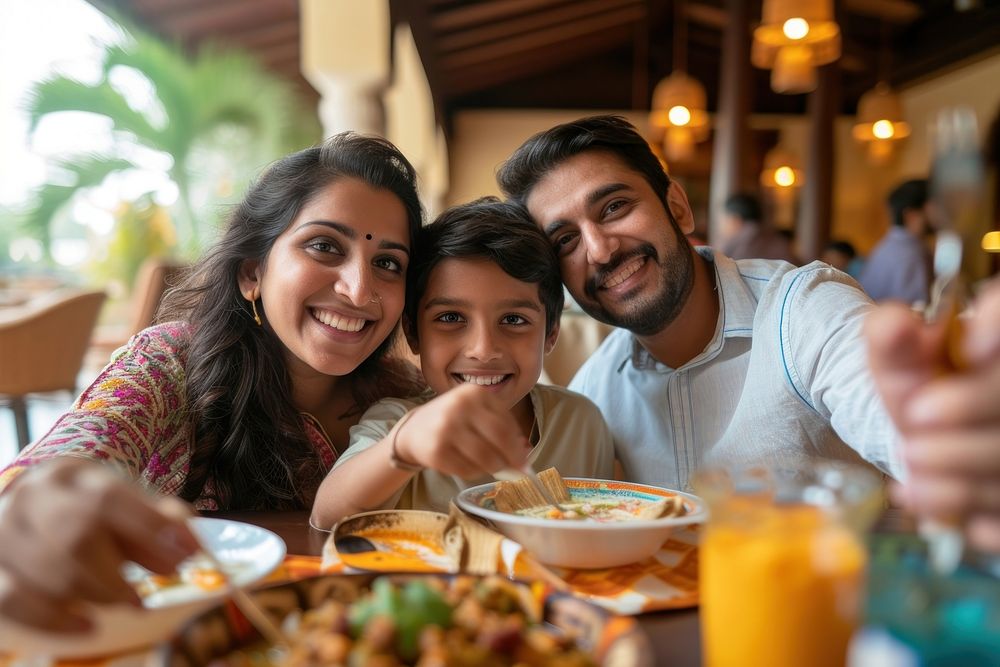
345, 56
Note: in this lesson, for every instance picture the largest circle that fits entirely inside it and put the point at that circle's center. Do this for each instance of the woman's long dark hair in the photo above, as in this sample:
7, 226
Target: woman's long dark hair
250, 443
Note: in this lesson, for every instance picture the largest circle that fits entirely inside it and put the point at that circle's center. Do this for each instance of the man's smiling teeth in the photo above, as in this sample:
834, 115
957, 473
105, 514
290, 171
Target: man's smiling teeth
339, 322
623, 273
484, 380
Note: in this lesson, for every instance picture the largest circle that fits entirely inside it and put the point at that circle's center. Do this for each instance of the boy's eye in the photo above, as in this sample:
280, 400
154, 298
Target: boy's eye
449, 318
514, 319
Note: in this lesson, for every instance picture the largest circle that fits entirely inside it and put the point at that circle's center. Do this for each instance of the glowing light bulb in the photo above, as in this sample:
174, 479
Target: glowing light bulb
883, 129
991, 242
784, 177
795, 28
679, 115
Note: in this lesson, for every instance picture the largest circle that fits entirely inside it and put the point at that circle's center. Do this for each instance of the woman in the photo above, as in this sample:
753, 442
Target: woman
276, 343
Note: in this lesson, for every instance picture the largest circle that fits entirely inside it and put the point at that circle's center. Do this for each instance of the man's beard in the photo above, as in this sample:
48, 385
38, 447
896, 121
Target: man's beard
645, 316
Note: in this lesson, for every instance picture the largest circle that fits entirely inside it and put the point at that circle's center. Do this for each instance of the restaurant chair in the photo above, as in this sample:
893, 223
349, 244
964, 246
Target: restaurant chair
42, 347
155, 276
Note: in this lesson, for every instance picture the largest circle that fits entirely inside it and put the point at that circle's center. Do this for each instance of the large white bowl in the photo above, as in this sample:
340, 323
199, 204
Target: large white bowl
587, 544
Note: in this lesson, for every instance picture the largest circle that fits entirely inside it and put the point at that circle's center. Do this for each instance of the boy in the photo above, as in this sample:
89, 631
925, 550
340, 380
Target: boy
483, 302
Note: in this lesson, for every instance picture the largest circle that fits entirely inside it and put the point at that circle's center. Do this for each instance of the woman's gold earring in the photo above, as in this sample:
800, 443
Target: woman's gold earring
253, 307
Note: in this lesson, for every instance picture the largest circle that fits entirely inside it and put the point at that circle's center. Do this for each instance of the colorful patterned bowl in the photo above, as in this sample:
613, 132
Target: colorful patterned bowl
587, 544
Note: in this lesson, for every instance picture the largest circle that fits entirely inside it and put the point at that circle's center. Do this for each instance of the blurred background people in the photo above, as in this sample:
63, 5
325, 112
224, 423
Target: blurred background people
842, 256
748, 236
899, 267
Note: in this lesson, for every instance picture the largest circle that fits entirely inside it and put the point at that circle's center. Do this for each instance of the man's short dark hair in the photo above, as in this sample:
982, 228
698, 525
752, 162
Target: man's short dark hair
744, 206
546, 150
908, 195
494, 230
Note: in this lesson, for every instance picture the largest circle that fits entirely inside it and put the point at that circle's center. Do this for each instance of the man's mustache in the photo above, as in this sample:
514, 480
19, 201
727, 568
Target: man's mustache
595, 281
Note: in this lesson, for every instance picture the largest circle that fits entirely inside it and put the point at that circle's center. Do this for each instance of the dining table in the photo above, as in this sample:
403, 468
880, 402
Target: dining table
674, 635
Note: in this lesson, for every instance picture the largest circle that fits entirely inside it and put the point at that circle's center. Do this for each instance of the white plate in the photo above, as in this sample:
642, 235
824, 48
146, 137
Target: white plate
248, 553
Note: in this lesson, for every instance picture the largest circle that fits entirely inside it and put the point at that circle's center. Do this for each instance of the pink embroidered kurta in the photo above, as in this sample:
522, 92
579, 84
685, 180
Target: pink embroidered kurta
134, 416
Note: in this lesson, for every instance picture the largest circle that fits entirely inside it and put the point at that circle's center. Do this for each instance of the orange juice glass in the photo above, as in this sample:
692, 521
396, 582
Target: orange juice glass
782, 563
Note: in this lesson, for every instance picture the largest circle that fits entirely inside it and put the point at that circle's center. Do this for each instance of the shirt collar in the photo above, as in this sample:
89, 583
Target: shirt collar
738, 305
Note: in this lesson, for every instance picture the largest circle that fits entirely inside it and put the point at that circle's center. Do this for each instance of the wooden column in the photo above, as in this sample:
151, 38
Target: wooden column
816, 204
730, 158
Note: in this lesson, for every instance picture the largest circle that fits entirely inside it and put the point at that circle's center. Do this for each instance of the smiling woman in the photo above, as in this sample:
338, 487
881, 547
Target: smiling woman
267, 352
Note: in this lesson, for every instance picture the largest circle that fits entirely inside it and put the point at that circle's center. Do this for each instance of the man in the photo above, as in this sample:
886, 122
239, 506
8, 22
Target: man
747, 236
899, 266
719, 361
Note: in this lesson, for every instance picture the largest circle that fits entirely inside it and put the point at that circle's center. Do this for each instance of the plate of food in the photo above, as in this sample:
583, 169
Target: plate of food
409, 619
599, 523
246, 553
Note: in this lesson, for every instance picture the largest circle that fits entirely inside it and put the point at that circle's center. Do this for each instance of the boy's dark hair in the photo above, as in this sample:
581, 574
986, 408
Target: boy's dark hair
545, 150
908, 195
744, 206
494, 230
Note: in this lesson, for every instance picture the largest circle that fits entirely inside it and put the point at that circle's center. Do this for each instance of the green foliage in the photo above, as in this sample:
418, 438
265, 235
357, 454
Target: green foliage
143, 229
194, 100
83, 172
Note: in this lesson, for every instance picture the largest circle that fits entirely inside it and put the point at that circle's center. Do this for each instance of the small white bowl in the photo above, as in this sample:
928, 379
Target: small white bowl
587, 544
252, 553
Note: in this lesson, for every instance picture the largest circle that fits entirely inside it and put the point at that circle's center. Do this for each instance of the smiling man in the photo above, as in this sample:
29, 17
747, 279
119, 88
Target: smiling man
716, 360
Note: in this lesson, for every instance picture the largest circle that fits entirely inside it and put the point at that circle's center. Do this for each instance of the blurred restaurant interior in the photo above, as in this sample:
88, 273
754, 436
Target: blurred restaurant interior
821, 128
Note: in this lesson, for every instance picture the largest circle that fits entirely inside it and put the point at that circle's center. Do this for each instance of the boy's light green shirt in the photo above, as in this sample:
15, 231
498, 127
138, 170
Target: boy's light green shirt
573, 437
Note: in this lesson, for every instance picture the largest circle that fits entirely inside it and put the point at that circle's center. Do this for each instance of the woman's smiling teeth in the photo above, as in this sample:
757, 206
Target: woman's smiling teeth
482, 380
339, 322
623, 273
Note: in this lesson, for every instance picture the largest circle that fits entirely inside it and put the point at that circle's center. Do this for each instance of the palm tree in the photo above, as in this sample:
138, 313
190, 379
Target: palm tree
197, 102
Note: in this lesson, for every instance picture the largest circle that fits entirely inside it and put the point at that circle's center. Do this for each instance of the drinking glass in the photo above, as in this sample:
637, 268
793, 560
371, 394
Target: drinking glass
782, 562
917, 616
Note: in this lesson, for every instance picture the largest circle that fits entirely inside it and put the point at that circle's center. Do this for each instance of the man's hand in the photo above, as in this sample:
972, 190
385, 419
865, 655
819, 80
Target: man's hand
950, 421
66, 527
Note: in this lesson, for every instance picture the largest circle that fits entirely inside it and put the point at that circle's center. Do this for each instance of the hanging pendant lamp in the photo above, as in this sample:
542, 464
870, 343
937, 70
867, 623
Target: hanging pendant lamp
880, 122
678, 106
679, 110
795, 37
781, 170
881, 125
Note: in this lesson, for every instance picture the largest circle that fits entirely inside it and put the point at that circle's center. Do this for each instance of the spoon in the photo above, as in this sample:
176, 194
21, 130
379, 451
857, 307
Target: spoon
257, 616
354, 544
246, 604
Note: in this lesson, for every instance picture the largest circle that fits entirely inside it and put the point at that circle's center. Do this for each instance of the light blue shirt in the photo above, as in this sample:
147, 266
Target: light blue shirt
784, 379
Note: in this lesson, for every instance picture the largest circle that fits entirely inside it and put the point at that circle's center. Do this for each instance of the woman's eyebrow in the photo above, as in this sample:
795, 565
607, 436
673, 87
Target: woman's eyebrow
352, 234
